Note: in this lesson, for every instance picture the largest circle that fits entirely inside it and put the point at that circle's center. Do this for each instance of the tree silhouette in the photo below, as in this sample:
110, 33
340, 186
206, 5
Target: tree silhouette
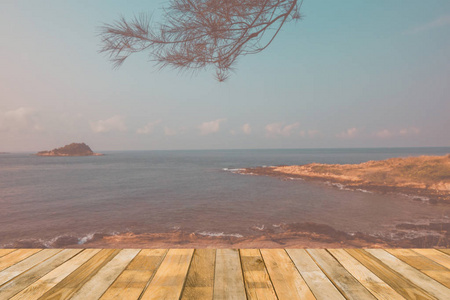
197, 34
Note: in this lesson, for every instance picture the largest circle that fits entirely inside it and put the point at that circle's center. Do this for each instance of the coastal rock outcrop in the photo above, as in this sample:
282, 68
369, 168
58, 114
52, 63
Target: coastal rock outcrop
74, 149
424, 177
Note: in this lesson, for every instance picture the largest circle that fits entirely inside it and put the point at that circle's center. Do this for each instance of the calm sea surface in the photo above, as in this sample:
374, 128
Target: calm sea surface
42, 198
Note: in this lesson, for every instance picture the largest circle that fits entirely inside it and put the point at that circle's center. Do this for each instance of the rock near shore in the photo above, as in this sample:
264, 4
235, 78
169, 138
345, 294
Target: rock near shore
423, 177
74, 149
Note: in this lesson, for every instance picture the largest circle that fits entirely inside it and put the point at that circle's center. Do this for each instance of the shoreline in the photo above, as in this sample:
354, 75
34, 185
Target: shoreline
417, 194
294, 235
423, 178
51, 154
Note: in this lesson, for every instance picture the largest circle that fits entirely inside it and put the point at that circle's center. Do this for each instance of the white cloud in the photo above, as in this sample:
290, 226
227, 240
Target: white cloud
313, 133
276, 129
309, 133
115, 123
210, 127
246, 128
148, 128
349, 133
384, 134
436, 23
169, 132
409, 131
21, 119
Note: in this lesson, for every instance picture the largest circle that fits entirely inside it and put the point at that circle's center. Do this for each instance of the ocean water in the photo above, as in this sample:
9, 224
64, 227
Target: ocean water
42, 198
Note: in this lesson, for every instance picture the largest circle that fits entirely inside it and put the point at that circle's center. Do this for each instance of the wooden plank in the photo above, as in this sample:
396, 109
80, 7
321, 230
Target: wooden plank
399, 283
51, 279
342, 279
25, 279
26, 264
100, 282
446, 251
72, 283
133, 280
287, 281
423, 264
3, 252
256, 279
368, 279
320, 285
428, 284
200, 279
14, 257
437, 256
228, 278
169, 280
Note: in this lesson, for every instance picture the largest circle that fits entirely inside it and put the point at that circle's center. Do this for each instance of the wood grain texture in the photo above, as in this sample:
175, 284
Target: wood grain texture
28, 263
51, 279
287, 281
168, 281
72, 283
341, 278
3, 252
200, 279
224, 274
12, 258
399, 283
446, 251
317, 281
438, 256
418, 278
137, 275
228, 278
100, 282
423, 264
27, 278
368, 279
256, 279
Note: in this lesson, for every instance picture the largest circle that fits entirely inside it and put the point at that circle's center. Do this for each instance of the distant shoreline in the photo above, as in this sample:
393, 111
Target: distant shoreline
74, 149
68, 155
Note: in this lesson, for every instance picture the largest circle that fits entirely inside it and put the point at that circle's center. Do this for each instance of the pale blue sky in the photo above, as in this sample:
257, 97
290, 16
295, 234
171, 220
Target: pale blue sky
350, 74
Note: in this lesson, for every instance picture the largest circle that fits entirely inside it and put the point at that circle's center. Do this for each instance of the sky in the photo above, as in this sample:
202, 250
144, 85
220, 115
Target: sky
349, 74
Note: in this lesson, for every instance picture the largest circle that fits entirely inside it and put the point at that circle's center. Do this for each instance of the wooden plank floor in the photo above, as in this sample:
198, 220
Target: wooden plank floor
224, 274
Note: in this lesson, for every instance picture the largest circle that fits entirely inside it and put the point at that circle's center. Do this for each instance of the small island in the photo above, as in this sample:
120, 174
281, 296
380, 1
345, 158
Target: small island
424, 177
74, 149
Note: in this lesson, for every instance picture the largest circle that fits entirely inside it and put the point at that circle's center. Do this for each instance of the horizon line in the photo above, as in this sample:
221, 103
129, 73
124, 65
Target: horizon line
235, 149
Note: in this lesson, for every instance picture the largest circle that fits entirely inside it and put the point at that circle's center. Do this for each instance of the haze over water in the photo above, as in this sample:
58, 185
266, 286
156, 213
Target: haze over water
42, 198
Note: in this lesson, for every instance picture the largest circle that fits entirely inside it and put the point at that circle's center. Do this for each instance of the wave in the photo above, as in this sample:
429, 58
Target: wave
425, 233
220, 234
296, 178
60, 241
343, 187
232, 170
415, 197
260, 228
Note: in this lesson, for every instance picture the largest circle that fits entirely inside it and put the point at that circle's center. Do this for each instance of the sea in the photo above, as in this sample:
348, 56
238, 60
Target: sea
193, 191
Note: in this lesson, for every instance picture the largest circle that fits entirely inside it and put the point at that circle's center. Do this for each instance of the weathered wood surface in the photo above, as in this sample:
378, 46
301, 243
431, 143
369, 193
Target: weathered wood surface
224, 274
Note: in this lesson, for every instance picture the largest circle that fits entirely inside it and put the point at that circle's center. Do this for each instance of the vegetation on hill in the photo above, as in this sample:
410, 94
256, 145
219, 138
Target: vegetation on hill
423, 171
74, 149
425, 177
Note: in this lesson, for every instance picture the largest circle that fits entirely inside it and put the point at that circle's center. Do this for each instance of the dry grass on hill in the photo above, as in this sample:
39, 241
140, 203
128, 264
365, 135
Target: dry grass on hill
421, 172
